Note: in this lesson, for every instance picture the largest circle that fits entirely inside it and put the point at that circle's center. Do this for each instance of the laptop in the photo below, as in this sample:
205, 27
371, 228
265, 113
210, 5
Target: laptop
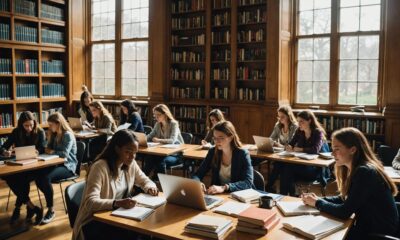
187, 192
76, 125
142, 138
266, 144
25, 153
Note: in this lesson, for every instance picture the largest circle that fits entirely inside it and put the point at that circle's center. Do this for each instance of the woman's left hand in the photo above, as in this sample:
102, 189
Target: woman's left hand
309, 199
153, 191
215, 189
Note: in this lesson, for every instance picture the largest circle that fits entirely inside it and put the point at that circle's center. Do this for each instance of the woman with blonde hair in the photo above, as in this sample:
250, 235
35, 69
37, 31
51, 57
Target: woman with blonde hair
165, 131
61, 142
214, 117
365, 189
230, 164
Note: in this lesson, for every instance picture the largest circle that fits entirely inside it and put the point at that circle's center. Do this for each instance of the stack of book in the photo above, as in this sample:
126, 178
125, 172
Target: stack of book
4, 31
147, 200
247, 196
208, 226
257, 220
232, 208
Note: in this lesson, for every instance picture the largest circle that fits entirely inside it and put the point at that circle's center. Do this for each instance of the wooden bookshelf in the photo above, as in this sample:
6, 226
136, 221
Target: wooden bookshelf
31, 85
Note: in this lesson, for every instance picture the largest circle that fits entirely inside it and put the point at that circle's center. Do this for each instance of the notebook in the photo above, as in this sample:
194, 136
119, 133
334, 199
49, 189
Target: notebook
123, 126
312, 227
135, 213
296, 208
254, 229
22, 162
247, 196
147, 200
46, 157
308, 156
326, 155
258, 216
290, 154
170, 145
391, 172
232, 208
208, 226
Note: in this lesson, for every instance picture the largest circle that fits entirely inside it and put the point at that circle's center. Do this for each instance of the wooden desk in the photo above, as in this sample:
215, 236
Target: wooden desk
86, 136
12, 169
196, 153
161, 151
168, 222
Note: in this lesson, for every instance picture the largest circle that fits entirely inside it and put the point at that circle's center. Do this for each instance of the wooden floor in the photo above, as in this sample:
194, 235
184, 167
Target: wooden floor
59, 228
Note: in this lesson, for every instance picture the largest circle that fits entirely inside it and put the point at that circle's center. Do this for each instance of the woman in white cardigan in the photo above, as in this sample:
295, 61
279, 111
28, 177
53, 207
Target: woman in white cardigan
109, 185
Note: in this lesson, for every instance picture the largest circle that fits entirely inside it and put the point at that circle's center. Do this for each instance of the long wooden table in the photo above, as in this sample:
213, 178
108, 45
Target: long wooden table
168, 222
162, 151
13, 169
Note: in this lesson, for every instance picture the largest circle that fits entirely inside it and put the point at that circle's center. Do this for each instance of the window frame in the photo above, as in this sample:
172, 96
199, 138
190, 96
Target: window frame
118, 41
334, 37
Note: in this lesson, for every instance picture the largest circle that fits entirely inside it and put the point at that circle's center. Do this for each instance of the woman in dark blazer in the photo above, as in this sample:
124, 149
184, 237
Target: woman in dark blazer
230, 164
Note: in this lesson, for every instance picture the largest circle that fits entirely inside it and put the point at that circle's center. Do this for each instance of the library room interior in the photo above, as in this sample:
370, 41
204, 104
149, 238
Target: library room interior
199, 119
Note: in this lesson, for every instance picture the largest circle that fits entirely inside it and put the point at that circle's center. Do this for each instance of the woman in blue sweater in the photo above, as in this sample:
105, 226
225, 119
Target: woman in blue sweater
230, 164
129, 114
365, 189
62, 143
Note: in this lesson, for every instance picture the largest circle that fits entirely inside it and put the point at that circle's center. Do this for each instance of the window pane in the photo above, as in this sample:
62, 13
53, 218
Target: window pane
306, 23
318, 4
103, 20
349, 19
368, 70
304, 92
348, 70
367, 2
306, 5
321, 71
370, 18
305, 49
369, 47
349, 3
304, 71
135, 67
347, 93
103, 69
322, 21
135, 19
321, 48
321, 92
367, 93
349, 47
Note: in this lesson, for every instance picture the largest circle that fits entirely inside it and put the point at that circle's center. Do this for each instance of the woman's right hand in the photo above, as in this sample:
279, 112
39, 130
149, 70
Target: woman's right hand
203, 142
126, 203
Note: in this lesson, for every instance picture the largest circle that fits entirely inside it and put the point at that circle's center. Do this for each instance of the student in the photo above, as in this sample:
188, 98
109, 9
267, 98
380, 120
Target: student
396, 161
282, 134
129, 114
27, 133
110, 183
62, 143
166, 130
214, 117
308, 138
230, 164
84, 110
102, 118
365, 189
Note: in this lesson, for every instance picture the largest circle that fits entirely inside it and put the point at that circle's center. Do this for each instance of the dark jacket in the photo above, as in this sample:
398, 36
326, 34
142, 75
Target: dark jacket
18, 141
311, 145
370, 199
241, 170
136, 122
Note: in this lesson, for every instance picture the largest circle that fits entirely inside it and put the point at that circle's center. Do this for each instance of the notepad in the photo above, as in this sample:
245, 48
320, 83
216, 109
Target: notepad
46, 157
313, 227
232, 208
136, 213
290, 154
170, 146
326, 155
247, 196
308, 156
296, 208
123, 126
391, 172
149, 201
22, 162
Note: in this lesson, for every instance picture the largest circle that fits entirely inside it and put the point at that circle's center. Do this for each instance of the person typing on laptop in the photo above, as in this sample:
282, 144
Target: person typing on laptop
27, 133
230, 164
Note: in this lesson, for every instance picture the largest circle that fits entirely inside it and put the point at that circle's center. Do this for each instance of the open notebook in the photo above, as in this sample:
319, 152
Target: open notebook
135, 213
312, 227
232, 208
296, 208
147, 200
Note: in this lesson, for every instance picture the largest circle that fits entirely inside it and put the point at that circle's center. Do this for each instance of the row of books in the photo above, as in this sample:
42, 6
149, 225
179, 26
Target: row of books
220, 37
192, 127
198, 113
4, 5
6, 120
220, 74
188, 56
250, 94
246, 54
188, 40
27, 90
221, 55
25, 7
188, 23
369, 126
47, 113
27, 66
48, 11
251, 36
187, 74
25, 33
221, 3
220, 93
4, 31
53, 90
182, 6
222, 19
246, 73
5, 92
53, 67
5, 66
51, 36
252, 16
187, 92
35, 115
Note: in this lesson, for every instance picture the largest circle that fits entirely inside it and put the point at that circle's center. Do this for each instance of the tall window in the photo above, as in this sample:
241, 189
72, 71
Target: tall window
342, 31
125, 43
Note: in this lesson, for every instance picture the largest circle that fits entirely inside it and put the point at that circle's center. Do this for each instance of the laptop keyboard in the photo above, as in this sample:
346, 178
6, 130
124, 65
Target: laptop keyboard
209, 200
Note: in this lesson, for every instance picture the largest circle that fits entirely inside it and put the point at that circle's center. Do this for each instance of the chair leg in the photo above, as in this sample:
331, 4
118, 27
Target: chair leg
62, 195
40, 199
8, 199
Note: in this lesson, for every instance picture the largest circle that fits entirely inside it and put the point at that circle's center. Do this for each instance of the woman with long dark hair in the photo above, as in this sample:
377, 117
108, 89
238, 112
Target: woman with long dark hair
129, 114
214, 117
84, 110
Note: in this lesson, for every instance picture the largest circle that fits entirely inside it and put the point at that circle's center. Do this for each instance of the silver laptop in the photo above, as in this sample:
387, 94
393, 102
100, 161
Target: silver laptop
186, 192
142, 138
25, 153
75, 123
264, 144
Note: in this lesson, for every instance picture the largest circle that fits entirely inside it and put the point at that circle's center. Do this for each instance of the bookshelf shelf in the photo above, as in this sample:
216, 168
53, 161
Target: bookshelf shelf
6, 102
56, 1
5, 75
52, 22
44, 75
28, 100
5, 130
53, 99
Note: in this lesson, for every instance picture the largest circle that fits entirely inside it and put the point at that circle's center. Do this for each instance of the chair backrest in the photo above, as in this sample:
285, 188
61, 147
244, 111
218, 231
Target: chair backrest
187, 137
258, 180
386, 154
147, 129
73, 198
80, 153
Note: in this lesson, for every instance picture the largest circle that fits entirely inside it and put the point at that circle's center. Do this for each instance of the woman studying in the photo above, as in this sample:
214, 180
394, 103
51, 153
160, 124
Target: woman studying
365, 189
110, 183
214, 117
102, 118
129, 114
84, 110
230, 165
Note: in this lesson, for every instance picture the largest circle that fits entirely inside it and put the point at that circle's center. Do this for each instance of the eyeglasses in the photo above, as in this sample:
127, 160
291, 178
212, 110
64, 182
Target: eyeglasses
218, 139
157, 114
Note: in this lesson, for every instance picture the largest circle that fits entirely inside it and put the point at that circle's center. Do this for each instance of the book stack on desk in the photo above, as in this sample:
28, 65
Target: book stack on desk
257, 220
246, 196
208, 226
